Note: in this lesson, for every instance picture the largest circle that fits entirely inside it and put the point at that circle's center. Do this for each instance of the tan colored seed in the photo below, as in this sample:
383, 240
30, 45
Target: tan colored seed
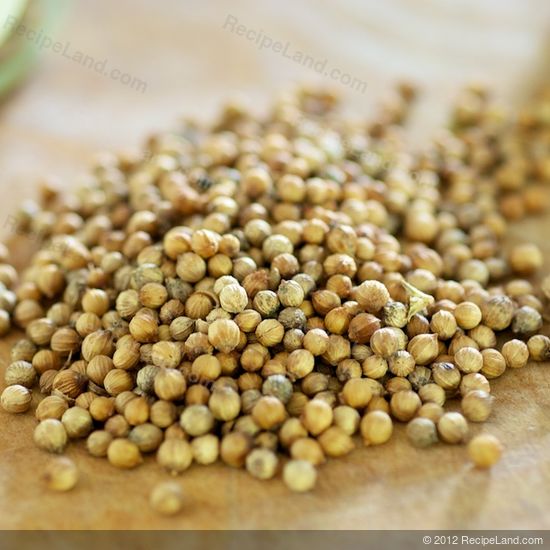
167, 498
124, 454
485, 450
299, 476
376, 428
16, 399
452, 428
61, 474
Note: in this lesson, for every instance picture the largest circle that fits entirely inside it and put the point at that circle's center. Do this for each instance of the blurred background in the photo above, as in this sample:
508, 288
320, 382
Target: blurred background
78, 77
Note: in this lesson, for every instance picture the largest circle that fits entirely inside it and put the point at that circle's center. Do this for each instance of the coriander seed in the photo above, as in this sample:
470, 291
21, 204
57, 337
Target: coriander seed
431, 411
468, 360
447, 376
224, 335
197, 420
316, 416
401, 363
539, 347
525, 259
16, 399
136, 412
299, 476
376, 427
498, 312
206, 449
467, 315
124, 454
225, 404
291, 430
515, 353
77, 422
347, 419
404, 405
167, 498
61, 474
270, 332
300, 363
175, 455
424, 348
477, 405
309, 449
357, 393
269, 412
371, 296
527, 320
98, 443
147, 437
452, 428
422, 432
20, 373
474, 381
432, 393
233, 298
52, 406
278, 386
443, 324
335, 442
384, 342
485, 450
374, 367
262, 463
169, 384
166, 355
50, 435
234, 449
316, 341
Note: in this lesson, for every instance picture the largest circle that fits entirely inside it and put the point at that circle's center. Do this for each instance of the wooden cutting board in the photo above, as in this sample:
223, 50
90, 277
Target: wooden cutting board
65, 112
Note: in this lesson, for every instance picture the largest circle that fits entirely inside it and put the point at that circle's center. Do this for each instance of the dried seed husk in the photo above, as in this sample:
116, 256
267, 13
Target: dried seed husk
422, 432
299, 476
52, 406
452, 428
21, 373
50, 435
167, 498
61, 474
16, 399
477, 405
69, 383
124, 454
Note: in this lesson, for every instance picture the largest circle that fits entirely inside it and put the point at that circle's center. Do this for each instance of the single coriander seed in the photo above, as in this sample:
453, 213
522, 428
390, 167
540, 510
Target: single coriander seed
262, 463
477, 405
422, 432
61, 474
167, 498
50, 435
206, 449
516, 354
452, 428
485, 450
299, 476
317, 416
376, 428
124, 454
16, 399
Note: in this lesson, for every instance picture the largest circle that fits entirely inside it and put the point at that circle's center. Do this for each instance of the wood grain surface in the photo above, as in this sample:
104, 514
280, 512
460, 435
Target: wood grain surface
64, 113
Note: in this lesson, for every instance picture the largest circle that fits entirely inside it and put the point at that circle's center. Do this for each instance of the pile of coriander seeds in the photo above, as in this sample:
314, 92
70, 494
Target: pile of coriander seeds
272, 293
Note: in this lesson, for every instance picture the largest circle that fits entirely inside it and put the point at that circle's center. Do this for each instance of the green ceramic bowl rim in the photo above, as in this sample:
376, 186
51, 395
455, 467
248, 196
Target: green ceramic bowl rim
17, 65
